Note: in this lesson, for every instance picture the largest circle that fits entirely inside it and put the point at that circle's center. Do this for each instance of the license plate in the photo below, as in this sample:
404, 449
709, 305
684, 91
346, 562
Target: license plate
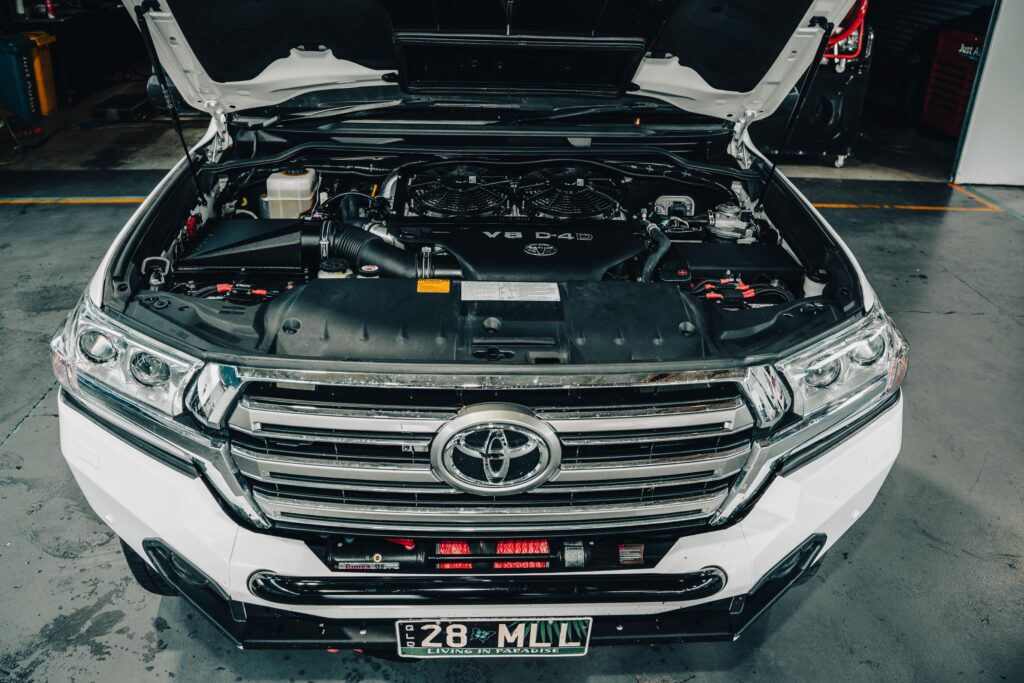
548, 637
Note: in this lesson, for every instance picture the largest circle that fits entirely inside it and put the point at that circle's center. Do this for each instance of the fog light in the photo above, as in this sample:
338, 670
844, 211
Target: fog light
149, 370
186, 572
824, 373
97, 346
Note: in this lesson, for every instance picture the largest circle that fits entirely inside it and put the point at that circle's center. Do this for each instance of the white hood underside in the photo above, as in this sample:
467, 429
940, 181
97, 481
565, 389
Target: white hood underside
309, 71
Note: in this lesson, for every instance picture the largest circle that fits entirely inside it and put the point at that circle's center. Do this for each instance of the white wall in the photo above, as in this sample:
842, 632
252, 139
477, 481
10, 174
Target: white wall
993, 148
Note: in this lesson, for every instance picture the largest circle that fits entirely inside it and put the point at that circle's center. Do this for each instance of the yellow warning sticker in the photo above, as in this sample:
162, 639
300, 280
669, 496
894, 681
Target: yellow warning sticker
433, 286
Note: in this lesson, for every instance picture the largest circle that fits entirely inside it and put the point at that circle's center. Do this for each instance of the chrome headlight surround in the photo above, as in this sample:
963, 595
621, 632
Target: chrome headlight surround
94, 347
833, 383
148, 408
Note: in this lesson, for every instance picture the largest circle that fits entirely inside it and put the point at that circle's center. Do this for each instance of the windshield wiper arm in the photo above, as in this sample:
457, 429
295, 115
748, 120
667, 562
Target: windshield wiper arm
348, 109
574, 112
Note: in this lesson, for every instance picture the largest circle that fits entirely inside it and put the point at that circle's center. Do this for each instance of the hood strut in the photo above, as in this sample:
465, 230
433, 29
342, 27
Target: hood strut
161, 77
802, 91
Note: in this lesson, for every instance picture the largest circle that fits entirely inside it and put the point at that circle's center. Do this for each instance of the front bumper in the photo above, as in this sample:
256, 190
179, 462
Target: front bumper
151, 505
258, 627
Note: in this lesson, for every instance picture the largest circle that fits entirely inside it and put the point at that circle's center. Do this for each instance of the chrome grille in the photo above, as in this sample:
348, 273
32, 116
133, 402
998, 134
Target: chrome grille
359, 459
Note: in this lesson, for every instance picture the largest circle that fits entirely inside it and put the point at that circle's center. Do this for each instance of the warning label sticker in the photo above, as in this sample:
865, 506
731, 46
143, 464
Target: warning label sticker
433, 286
510, 291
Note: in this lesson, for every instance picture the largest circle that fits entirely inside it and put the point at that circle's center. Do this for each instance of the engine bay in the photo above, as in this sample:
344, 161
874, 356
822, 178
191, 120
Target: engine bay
555, 260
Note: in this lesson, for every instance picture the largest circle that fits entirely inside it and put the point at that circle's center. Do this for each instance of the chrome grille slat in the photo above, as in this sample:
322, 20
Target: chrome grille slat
365, 516
722, 464
251, 415
659, 459
421, 443
729, 415
268, 468
261, 466
639, 437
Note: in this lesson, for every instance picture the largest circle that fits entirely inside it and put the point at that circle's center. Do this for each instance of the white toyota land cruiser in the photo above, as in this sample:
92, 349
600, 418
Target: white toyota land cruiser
479, 329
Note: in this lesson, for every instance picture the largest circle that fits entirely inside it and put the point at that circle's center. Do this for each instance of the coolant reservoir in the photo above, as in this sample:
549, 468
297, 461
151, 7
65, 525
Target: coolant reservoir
290, 193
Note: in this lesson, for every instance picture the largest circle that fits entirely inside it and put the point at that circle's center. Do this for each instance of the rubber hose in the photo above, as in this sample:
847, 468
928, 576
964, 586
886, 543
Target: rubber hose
363, 248
663, 244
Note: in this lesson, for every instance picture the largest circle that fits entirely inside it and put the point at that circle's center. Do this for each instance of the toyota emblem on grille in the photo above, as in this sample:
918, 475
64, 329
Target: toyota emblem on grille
495, 450
540, 249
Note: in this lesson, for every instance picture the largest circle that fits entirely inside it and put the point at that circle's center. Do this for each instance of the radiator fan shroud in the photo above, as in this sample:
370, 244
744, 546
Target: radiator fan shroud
459, 190
569, 192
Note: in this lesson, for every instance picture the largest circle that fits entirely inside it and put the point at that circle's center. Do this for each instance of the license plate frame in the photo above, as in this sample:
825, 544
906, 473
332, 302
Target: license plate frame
550, 637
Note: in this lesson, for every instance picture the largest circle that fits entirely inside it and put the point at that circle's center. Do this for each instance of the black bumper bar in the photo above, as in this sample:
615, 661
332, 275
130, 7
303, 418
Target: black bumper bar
254, 626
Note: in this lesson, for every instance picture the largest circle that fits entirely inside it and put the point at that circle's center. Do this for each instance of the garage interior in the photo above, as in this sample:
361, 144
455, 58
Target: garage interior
926, 586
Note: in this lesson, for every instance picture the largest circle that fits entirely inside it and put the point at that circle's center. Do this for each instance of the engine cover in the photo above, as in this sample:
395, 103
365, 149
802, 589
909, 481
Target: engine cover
532, 250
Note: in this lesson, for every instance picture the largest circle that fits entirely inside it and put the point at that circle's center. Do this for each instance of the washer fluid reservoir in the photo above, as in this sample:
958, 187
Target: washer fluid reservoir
290, 192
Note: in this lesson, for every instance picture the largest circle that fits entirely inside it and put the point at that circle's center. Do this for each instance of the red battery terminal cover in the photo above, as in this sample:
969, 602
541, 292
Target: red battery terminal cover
727, 288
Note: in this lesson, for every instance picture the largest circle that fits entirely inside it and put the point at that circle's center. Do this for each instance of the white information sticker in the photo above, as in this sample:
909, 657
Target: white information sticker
509, 291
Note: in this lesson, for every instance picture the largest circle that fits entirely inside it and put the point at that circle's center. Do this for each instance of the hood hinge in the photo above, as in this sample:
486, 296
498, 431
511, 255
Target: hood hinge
222, 139
736, 147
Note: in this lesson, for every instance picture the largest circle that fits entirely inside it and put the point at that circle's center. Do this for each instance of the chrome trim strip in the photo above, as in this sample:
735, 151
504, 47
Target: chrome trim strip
732, 416
636, 411
309, 473
509, 378
642, 438
250, 416
68, 402
802, 434
622, 486
722, 464
767, 394
218, 387
416, 444
352, 515
210, 453
213, 393
261, 466
258, 418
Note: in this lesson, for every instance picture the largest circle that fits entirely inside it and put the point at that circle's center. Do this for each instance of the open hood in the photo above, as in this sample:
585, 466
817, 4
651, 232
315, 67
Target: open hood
731, 59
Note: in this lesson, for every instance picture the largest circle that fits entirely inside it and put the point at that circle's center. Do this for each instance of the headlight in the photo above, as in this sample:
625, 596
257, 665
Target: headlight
148, 369
92, 346
96, 346
872, 351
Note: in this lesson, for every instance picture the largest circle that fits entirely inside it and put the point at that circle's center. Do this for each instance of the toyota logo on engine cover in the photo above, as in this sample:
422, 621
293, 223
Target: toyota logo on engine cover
495, 450
540, 249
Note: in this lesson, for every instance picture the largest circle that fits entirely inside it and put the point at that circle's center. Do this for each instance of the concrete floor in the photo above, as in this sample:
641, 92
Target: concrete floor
927, 585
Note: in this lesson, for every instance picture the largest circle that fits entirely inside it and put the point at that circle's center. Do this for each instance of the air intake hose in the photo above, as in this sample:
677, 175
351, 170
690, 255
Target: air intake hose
363, 249
662, 245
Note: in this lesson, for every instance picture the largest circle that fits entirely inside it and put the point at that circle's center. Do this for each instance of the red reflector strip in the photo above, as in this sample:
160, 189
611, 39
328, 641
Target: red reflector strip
453, 548
530, 547
455, 565
521, 564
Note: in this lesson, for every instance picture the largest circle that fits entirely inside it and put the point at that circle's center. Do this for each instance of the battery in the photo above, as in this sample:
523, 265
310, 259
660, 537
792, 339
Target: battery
695, 262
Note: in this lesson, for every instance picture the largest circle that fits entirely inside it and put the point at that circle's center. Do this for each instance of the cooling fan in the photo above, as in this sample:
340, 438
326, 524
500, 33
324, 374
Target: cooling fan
569, 192
458, 190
